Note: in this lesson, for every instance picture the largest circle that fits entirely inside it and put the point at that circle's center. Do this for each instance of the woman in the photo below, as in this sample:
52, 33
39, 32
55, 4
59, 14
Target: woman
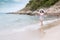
41, 16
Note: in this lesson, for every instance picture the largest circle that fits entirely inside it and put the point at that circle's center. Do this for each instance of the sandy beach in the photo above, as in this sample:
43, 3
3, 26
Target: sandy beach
24, 19
51, 30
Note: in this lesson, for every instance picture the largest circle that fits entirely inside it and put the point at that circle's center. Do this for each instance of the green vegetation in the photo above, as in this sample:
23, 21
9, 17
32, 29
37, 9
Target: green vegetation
35, 4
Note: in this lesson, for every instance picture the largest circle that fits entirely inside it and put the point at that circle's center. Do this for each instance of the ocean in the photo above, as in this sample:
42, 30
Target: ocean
9, 22
15, 21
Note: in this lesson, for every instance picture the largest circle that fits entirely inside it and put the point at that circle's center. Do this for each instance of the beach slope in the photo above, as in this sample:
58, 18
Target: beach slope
51, 32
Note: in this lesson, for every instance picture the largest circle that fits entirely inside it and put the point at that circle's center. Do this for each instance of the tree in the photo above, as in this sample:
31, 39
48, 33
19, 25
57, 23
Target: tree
35, 4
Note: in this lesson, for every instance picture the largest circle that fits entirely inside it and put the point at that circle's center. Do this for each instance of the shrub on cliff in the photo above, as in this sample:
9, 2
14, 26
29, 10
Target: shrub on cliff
35, 4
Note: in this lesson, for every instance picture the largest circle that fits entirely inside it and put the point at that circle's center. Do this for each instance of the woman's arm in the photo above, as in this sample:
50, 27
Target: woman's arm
38, 14
45, 13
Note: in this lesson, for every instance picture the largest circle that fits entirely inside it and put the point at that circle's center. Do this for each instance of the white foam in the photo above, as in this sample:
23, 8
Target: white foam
33, 26
27, 28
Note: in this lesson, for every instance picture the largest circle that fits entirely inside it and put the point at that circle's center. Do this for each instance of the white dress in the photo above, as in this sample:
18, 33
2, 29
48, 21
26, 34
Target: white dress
41, 17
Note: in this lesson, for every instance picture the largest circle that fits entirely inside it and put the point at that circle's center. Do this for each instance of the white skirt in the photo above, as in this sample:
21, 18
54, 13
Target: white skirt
41, 17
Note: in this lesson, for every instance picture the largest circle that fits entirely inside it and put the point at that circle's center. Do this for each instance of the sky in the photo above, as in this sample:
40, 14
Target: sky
12, 5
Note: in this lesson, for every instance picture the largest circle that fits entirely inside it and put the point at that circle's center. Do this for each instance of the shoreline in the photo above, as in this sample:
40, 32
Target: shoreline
31, 27
28, 34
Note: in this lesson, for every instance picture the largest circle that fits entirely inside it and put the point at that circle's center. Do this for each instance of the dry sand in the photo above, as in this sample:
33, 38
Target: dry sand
51, 33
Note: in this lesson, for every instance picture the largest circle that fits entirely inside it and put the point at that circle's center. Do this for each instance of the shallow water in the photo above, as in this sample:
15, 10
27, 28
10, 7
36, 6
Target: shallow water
16, 21
11, 21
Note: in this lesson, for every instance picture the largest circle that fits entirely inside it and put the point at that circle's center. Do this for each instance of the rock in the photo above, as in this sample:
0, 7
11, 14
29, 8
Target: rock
54, 9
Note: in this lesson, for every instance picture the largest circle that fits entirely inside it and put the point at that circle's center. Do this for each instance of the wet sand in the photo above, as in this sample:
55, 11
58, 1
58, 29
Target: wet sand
51, 32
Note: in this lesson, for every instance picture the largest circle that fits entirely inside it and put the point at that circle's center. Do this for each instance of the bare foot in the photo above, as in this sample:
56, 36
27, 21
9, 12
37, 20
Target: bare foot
42, 33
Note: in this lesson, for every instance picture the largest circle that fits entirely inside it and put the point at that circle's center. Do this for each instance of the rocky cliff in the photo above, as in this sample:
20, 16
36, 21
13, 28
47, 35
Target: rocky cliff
54, 10
52, 7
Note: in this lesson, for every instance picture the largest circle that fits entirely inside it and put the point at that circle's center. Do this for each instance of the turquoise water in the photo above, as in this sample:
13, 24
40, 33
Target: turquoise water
16, 21
11, 21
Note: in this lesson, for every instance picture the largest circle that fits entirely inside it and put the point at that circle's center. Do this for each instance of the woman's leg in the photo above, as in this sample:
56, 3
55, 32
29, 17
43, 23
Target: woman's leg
41, 21
41, 29
42, 33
